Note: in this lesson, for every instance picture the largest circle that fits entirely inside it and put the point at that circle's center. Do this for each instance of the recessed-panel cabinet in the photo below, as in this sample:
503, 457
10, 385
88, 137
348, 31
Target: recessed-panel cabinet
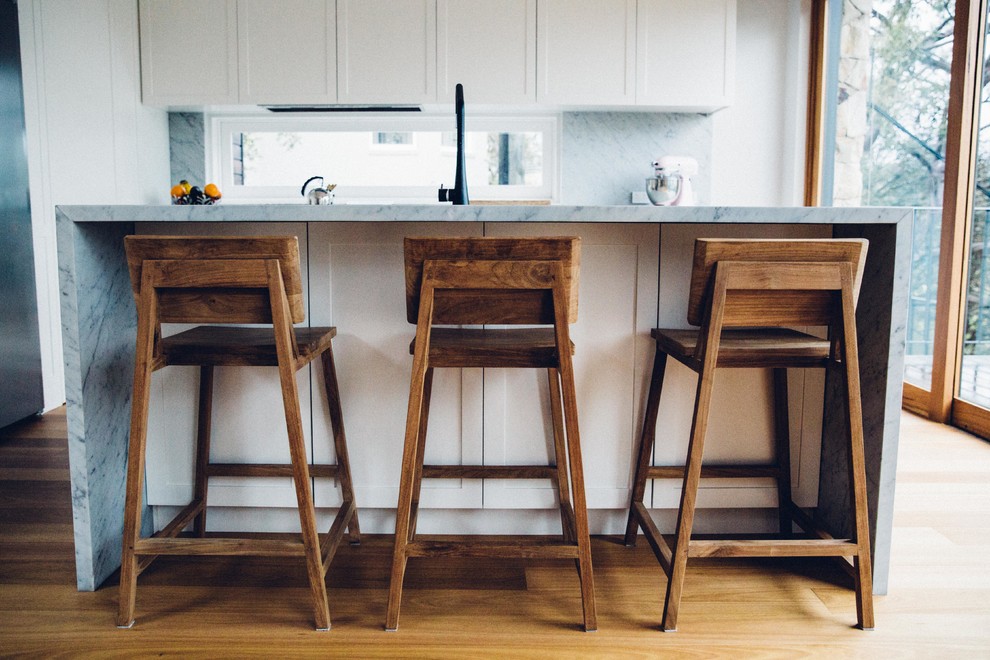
386, 51
740, 427
490, 47
617, 307
357, 284
287, 51
586, 53
248, 417
188, 52
685, 53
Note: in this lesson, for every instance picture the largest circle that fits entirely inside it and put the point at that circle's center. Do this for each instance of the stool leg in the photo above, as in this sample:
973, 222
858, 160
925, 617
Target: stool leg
411, 462
647, 440
204, 424
304, 497
577, 488
782, 442
857, 467
420, 452
147, 315
689, 494
560, 479
340, 444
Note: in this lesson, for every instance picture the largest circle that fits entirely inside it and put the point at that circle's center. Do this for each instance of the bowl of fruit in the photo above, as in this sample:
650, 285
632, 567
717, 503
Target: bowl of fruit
184, 194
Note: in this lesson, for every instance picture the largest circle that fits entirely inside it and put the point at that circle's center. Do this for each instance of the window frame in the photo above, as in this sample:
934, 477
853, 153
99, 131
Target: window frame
220, 128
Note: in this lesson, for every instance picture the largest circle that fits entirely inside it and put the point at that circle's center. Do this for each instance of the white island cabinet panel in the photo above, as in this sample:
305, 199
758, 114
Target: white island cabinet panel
490, 47
586, 52
386, 51
188, 52
357, 284
617, 307
741, 424
287, 51
685, 53
248, 417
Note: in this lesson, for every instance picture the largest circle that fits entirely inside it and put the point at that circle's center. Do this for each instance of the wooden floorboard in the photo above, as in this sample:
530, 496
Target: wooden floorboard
938, 605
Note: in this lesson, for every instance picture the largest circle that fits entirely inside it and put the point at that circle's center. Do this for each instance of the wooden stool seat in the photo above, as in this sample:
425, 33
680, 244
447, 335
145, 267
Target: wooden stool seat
744, 295
232, 346
756, 347
223, 280
490, 281
469, 347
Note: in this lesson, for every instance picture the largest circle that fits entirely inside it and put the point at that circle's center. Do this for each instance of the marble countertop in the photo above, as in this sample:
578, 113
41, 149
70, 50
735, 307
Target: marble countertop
484, 213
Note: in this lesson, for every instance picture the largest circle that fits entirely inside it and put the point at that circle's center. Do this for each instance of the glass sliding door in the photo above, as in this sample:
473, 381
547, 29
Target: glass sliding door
887, 79
973, 377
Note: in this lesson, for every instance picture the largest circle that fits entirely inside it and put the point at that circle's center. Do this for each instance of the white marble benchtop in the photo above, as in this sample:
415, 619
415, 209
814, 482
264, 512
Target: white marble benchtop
485, 213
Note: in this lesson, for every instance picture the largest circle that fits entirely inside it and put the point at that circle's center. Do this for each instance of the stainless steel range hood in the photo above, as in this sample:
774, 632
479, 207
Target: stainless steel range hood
342, 108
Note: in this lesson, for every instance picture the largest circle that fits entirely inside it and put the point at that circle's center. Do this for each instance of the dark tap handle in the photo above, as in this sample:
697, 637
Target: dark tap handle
458, 194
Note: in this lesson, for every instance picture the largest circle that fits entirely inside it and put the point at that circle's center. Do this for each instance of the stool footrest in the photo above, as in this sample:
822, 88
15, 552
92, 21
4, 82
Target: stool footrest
489, 471
772, 548
516, 549
266, 470
219, 546
715, 471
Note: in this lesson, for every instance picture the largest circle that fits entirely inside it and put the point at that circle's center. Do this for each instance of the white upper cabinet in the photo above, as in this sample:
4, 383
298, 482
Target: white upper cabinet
587, 52
287, 51
490, 47
387, 51
664, 54
188, 52
685, 53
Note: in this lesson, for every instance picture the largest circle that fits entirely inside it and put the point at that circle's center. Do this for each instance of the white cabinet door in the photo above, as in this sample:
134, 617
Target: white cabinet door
248, 417
617, 307
740, 428
188, 52
287, 51
356, 276
386, 51
490, 47
686, 53
586, 52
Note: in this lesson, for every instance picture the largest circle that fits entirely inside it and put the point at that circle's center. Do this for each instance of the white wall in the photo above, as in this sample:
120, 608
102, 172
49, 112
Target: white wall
758, 142
90, 141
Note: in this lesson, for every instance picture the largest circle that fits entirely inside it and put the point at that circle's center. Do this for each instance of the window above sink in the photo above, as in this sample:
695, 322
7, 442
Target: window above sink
381, 157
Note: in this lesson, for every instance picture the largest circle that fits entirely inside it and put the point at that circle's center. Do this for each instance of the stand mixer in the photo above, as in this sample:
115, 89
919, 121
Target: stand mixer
671, 183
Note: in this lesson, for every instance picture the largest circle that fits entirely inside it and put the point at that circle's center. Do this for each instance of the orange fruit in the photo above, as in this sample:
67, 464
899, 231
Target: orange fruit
211, 190
178, 190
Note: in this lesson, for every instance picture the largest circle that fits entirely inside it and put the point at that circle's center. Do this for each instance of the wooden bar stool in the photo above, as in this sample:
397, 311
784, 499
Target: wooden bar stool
228, 281
497, 281
744, 295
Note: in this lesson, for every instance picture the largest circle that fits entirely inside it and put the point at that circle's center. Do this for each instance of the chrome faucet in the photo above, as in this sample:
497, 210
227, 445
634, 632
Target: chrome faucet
458, 194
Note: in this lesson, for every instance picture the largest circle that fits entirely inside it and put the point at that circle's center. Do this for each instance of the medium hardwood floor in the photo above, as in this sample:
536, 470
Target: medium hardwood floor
939, 600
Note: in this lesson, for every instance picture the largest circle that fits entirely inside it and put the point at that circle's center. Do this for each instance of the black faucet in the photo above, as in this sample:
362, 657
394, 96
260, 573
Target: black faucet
458, 194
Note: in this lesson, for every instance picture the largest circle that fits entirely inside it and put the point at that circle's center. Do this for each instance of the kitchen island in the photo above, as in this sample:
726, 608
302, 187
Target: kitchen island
635, 262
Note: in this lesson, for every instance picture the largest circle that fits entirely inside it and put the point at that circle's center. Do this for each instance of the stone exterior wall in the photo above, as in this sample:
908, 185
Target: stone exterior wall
854, 80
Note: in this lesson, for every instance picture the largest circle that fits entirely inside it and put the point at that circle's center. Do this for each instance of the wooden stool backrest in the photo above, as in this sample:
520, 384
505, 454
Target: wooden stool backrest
773, 306
229, 288
492, 305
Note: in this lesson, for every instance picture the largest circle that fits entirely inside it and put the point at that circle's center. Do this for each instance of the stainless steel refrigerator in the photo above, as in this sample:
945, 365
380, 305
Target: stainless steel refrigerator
20, 347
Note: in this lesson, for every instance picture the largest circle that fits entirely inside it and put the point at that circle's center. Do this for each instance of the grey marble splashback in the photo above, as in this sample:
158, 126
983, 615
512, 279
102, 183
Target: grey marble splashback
187, 147
606, 155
